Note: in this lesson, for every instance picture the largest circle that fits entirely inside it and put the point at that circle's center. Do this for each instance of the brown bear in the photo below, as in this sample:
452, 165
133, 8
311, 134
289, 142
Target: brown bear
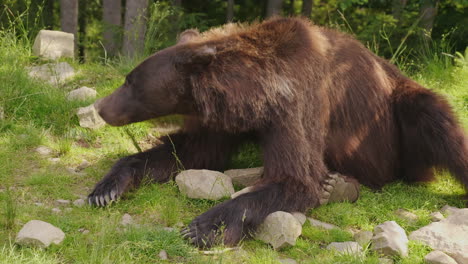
316, 100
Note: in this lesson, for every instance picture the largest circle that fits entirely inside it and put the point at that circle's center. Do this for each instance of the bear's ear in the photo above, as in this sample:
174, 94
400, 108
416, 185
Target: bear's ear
187, 35
193, 59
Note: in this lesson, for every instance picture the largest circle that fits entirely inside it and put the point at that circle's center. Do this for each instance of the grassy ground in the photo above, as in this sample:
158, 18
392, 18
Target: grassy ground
38, 114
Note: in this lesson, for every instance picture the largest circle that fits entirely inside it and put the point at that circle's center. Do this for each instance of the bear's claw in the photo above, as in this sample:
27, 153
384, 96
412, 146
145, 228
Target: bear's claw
339, 188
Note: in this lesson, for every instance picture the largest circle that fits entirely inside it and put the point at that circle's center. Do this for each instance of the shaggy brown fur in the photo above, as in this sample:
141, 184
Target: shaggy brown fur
315, 99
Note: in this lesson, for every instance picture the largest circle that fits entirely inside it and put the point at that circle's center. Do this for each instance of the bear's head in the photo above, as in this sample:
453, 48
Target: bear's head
160, 85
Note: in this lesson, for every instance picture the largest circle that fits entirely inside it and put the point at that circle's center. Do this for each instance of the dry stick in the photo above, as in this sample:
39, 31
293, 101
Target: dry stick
135, 143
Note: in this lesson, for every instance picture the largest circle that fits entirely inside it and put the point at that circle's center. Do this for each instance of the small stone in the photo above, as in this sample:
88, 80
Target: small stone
245, 177
53, 160
53, 73
169, 229
126, 220
245, 190
81, 94
390, 239
62, 202
44, 151
79, 202
287, 261
447, 209
279, 229
436, 217
52, 44
56, 210
84, 164
363, 237
39, 204
406, 215
204, 184
89, 117
385, 261
438, 257
300, 217
84, 231
349, 247
39, 233
320, 224
162, 255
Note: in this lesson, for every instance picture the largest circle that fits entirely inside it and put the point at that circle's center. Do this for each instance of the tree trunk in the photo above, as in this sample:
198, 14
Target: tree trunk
69, 17
230, 11
135, 27
427, 13
397, 8
112, 18
274, 7
306, 10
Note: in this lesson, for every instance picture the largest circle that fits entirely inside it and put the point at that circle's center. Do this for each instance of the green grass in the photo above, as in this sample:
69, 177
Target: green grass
38, 114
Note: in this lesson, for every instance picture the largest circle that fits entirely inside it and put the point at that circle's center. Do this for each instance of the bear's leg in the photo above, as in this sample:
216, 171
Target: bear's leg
291, 182
199, 149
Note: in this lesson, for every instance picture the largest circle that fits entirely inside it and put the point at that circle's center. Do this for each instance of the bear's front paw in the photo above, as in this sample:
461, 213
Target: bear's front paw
215, 227
111, 187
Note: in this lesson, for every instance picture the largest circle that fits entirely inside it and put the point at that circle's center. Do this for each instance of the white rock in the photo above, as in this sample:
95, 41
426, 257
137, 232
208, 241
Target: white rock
245, 177
320, 224
44, 151
447, 209
81, 94
54, 44
363, 237
449, 235
62, 202
300, 217
438, 257
406, 215
39, 233
89, 117
79, 202
126, 220
349, 247
390, 239
436, 216
53, 160
56, 210
39, 204
162, 255
245, 190
54, 73
204, 184
279, 229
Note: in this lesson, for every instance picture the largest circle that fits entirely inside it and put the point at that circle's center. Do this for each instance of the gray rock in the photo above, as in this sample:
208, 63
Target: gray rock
287, 261
385, 261
126, 220
163, 255
321, 224
39, 204
54, 44
447, 209
56, 210
204, 184
406, 215
300, 217
79, 202
62, 202
84, 231
279, 229
363, 237
390, 239
349, 247
84, 164
39, 233
449, 235
81, 94
89, 117
44, 151
245, 177
245, 190
169, 229
436, 216
53, 73
438, 257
